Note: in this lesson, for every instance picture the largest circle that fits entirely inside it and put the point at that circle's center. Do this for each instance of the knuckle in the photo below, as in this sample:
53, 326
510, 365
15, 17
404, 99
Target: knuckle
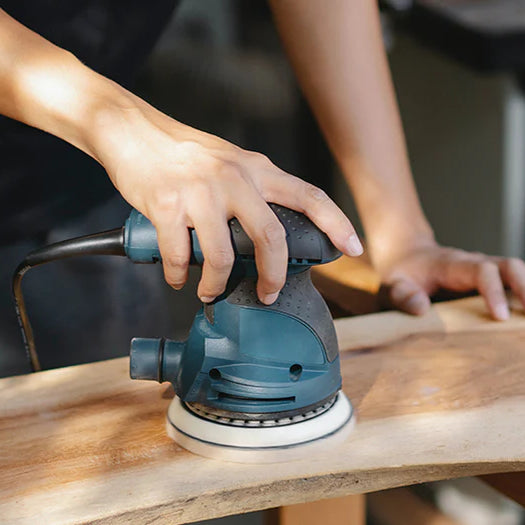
201, 188
229, 172
344, 225
166, 203
488, 275
272, 233
514, 264
475, 255
456, 254
273, 282
190, 150
488, 267
261, 159
177, 260
316, 195
220, 259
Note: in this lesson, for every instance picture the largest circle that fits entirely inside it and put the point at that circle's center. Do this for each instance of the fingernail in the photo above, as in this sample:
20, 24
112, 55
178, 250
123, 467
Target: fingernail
501, 311
206, 299
354, 245
270, 298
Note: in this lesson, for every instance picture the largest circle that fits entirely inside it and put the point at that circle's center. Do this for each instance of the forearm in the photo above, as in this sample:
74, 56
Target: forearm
178, 176
47, 87
337, 52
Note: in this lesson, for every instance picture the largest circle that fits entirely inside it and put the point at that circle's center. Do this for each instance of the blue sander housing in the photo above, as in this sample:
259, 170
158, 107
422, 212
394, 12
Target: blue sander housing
251, 381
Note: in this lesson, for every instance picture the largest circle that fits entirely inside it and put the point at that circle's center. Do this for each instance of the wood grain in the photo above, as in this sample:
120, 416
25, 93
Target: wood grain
351, 286
443, 398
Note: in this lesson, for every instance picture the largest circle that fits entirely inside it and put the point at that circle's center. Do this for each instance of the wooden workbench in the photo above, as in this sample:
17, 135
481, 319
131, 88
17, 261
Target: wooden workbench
437, 397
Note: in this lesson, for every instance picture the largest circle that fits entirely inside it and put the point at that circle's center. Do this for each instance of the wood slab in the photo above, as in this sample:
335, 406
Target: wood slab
437, 397
352, 287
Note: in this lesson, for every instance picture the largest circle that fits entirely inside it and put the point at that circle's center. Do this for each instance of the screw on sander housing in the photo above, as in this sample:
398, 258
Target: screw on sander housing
242, 356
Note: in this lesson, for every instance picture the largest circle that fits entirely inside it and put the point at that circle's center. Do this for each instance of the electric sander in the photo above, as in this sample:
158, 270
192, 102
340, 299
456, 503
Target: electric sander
252, 382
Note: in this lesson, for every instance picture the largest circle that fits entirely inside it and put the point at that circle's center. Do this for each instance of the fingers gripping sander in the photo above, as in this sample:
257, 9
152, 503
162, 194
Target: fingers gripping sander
250, 376
252, 382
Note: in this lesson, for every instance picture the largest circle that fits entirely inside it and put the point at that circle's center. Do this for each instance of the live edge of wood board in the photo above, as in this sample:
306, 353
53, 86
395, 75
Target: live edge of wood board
437, 397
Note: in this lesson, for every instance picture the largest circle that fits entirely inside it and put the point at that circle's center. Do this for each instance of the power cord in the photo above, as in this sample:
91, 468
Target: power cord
105, 243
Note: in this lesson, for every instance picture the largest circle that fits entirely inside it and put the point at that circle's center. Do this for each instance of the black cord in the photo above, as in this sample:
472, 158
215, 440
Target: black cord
105, 243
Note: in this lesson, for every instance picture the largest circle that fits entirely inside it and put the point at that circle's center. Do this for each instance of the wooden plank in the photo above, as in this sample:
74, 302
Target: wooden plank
351, 286
348, 510
348, 273
463, 315
403, 507
87, 445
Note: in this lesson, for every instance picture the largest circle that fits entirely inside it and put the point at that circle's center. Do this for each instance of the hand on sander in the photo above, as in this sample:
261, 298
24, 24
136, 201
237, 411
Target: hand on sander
250, 378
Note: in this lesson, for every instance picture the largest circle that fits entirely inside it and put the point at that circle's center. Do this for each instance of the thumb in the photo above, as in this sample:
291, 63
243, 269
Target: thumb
406, 295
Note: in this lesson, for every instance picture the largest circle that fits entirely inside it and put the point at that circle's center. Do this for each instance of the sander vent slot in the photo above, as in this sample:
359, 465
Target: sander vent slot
257, 400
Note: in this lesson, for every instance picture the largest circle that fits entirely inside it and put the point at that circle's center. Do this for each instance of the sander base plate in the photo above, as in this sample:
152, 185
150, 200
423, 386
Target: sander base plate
261, 444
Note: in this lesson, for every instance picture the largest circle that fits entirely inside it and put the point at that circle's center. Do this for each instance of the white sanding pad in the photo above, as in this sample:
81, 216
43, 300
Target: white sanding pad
261, 444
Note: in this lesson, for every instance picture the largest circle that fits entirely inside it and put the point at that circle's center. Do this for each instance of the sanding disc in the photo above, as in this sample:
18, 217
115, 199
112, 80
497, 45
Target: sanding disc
244, 444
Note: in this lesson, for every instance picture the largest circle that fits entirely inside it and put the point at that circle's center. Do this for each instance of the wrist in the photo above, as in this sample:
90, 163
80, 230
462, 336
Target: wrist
68, 99
393, 241
111, 114
388, 206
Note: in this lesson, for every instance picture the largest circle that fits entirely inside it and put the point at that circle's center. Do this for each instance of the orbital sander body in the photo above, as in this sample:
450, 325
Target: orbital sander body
251, 380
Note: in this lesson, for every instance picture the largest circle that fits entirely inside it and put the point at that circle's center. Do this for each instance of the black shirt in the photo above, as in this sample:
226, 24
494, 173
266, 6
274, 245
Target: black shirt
43, 180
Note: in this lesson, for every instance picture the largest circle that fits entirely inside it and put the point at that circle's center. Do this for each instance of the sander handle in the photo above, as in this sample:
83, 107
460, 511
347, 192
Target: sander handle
307, 244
